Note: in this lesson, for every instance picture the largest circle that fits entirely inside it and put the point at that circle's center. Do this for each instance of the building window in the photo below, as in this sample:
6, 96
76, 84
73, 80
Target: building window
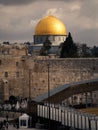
17, 74
64, 39
94, 68
17, 63
53, 38
0, 62
59, 38
75, 98
6, 74
36, 39
41, 39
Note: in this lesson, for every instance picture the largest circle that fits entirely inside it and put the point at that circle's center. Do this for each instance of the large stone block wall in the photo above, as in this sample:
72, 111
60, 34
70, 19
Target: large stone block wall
61, 71
33, 74
12, 84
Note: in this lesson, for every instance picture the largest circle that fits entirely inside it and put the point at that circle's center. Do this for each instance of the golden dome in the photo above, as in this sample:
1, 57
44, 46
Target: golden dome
50, 25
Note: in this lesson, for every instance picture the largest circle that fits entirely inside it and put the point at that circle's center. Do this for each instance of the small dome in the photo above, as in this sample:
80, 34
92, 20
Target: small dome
50, 25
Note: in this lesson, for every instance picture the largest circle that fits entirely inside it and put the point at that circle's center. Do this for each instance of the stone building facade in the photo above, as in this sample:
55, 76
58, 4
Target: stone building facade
24, 76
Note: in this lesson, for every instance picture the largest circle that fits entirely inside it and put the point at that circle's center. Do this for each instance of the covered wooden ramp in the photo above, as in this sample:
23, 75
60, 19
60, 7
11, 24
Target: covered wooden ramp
62, 92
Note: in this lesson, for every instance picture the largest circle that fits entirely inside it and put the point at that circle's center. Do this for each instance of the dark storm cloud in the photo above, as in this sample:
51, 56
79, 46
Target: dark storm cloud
79, 16
23, 2
63, 0
16, 2
10, 36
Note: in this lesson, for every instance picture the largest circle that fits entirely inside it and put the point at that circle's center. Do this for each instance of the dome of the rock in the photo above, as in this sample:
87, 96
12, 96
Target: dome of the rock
50, 28
50, 25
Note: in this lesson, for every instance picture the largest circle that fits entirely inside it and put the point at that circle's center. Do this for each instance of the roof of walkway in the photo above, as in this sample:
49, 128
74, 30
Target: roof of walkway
67, 90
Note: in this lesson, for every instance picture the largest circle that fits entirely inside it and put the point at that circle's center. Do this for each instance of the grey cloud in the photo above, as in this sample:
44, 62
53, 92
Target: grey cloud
88, 36
15, 2
15, 37
23, 2
64, 0
20, 24
89, 9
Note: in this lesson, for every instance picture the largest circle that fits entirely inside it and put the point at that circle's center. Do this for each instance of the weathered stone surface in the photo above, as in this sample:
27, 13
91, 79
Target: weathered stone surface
28, 75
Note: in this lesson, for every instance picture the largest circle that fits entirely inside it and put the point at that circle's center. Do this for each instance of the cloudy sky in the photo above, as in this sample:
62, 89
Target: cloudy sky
19, 17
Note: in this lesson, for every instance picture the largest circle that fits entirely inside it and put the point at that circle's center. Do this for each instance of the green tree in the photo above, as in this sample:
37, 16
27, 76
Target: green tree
46, 47
94, 51
85, 51
68, 48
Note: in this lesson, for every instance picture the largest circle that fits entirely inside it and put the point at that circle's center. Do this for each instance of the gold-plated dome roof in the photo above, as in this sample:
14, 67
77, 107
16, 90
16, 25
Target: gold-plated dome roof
50, 25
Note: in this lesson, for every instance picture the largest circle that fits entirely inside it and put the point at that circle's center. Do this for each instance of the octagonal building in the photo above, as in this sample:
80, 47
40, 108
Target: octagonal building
52, 28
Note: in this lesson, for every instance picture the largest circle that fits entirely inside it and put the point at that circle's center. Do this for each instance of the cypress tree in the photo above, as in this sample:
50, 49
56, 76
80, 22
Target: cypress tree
69, 48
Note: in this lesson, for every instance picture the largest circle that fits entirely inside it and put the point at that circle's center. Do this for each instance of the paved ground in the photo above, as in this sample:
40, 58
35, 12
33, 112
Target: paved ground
13, 128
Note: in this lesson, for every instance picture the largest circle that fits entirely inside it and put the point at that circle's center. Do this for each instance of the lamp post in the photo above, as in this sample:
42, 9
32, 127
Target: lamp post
29, 93
48, 65
29, 84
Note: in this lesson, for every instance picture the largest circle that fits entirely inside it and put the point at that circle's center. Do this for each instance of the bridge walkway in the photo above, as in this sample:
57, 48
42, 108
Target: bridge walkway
61, 93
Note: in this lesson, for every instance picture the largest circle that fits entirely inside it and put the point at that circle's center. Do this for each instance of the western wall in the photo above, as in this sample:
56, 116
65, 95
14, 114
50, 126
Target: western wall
28, 75
61, 71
